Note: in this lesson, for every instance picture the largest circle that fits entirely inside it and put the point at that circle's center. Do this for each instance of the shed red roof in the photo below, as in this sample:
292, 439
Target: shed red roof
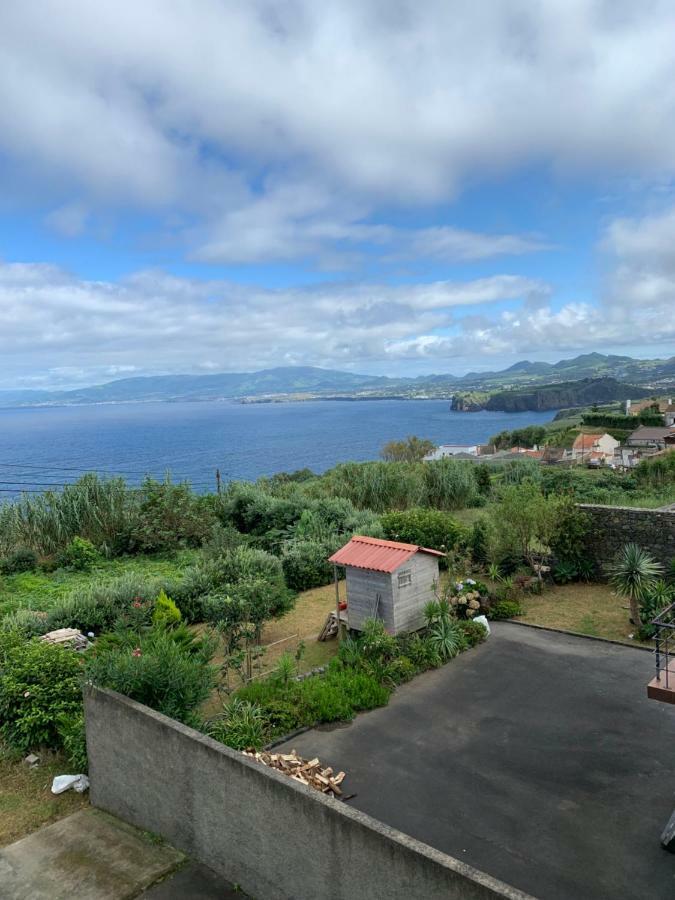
373, 553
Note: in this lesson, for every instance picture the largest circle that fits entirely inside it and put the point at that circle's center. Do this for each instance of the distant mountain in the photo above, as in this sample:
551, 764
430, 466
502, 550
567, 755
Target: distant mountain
564, 395
289, 382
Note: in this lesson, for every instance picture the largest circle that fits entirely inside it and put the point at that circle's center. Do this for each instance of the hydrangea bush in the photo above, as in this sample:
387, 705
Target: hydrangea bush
468, 598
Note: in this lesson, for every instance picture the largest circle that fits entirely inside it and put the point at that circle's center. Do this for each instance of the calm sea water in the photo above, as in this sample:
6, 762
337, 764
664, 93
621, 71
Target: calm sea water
52, 446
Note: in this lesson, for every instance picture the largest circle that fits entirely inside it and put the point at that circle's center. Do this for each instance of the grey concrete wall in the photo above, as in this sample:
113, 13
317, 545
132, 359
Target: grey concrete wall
276, 838
614, 526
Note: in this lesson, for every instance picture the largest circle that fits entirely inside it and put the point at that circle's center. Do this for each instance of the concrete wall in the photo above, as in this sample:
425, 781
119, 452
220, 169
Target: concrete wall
276, 838
614, 526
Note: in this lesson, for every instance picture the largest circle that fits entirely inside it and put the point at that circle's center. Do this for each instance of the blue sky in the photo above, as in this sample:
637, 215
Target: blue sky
392, 187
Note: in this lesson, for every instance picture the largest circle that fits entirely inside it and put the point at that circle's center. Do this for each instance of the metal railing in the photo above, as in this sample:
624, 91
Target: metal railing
664, 639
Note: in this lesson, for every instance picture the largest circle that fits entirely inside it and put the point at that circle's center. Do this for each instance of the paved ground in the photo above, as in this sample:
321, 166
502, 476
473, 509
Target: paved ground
536, 757
93, 856
88, 855
193, 882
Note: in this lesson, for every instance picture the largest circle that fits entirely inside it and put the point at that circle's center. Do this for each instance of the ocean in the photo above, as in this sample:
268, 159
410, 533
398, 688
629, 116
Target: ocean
51, 446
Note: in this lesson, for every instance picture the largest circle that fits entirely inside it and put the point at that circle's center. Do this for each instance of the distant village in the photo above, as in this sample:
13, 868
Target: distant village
590, 448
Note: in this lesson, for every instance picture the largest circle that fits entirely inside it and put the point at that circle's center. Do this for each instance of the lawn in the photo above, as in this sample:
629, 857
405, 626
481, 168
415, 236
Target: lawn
41, 590
26, 800
591, 609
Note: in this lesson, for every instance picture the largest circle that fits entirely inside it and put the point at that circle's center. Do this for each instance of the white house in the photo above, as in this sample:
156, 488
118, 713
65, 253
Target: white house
445, 450
594, 448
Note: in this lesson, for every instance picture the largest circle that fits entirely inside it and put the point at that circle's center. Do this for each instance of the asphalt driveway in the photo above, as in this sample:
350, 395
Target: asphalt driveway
536, 757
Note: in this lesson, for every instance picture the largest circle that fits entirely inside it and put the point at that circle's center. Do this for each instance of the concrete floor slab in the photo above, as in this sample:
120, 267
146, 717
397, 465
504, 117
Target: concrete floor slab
87, 856
195, 882
536, 758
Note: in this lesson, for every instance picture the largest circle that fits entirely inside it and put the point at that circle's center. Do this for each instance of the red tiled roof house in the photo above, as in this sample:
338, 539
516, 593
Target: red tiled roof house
387, 580
594, 446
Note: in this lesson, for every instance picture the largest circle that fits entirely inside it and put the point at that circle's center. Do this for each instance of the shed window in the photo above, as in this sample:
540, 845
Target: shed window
405, 578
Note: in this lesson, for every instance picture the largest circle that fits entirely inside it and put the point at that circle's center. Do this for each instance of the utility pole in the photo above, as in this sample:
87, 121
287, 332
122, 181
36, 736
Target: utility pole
217, 481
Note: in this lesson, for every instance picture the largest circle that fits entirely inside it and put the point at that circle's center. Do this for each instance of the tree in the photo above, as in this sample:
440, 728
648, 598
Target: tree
632, 574
527, 522
412, 449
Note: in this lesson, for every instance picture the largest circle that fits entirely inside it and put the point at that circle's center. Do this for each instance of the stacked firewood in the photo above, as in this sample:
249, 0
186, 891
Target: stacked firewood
309, 772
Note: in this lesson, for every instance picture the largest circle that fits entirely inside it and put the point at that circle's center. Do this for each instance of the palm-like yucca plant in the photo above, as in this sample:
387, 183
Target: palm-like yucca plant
632, 574
445, 636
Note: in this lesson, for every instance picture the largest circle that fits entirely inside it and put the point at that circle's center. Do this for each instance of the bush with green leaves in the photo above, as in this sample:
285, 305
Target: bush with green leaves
22, 560
473, 632
158, 672
28, 622
72, 735
40, 683
569, 539
242, 725
165, 614
97, 607
426, 527
504, 609
443, 631
79, 555
170, 516
655, 599
305, 565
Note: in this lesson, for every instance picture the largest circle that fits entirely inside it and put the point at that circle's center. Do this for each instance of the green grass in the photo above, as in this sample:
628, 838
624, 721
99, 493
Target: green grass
26, 800
42, 590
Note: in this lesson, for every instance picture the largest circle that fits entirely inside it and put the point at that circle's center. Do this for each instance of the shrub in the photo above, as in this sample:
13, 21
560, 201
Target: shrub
376, 643
171, 516
166, 614
97, 607
425, 527
39, 683
569, 536
27, 622
22, 560
73, 740
565, 571
305, 565
474, 632
420, 651
159, 672
80, 555
479, 542
241, 725
505, 609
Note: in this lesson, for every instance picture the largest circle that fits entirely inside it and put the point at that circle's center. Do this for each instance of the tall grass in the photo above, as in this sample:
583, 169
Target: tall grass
382, 486
101, 510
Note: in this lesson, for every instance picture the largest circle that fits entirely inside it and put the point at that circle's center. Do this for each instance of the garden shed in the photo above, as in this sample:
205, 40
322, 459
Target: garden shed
387, 580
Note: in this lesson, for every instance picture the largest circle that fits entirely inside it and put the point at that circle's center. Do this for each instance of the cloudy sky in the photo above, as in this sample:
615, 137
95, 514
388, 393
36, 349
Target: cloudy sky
387, 186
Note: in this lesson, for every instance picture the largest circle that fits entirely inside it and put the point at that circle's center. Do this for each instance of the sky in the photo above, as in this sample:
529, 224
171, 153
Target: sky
382, 186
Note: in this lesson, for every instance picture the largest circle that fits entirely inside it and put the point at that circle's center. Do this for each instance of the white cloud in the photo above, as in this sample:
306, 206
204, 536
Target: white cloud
150, 322
209, 109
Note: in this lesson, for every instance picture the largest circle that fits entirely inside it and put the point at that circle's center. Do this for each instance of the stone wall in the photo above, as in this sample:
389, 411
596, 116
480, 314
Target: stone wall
614, 526
256, 827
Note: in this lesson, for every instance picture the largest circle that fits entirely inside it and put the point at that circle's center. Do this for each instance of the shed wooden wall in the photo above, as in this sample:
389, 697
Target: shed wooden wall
410, 600
363, 586
401, 608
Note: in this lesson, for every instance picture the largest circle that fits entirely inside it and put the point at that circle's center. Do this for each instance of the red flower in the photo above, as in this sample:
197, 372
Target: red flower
137, 604
136, 652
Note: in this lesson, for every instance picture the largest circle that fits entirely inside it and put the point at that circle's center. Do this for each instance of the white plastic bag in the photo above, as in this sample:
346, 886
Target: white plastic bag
62, 783
483, 621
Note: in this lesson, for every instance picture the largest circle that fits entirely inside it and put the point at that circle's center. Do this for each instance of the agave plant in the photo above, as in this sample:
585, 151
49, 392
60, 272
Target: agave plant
446, 638
632, 575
